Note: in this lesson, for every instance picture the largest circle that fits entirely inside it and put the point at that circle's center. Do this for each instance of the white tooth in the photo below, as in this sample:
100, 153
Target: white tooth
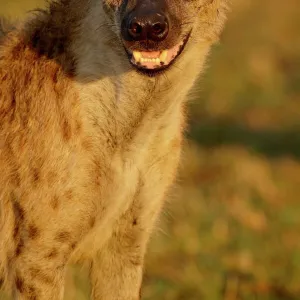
142, 59
137, 56
163, 56
157, 60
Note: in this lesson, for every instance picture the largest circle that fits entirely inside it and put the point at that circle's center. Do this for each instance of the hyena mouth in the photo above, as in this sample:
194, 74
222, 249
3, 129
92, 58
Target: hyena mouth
153, 62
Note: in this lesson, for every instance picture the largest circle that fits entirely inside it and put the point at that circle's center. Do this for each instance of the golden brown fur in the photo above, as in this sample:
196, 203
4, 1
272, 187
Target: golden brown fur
88, 147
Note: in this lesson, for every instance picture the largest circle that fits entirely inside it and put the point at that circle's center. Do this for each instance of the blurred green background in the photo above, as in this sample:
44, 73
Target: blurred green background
232, 228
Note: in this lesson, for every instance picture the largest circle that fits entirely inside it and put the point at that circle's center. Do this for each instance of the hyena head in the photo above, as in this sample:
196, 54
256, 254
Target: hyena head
150, 37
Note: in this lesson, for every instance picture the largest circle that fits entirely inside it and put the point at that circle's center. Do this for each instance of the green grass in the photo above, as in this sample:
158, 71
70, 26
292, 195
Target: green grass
233, 229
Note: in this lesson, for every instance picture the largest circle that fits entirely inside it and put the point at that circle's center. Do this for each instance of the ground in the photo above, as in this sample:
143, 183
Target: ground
231, 229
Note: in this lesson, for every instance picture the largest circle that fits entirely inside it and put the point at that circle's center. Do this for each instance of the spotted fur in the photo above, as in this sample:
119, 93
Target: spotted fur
88, 146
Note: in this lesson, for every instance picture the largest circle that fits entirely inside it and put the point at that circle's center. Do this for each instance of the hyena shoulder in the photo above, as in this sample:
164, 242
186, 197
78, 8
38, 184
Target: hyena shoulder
27, 80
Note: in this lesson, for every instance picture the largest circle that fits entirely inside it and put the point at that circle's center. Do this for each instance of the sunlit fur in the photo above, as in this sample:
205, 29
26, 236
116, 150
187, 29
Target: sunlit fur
88, 146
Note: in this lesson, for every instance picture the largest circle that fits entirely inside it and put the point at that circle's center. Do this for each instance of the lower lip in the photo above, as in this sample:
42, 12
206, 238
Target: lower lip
155, 68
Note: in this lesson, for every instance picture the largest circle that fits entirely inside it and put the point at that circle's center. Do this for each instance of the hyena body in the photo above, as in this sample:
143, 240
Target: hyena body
91, 121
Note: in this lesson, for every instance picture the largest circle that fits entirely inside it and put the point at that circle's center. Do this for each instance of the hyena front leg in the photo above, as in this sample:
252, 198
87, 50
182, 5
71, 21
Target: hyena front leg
44, 243
117, 271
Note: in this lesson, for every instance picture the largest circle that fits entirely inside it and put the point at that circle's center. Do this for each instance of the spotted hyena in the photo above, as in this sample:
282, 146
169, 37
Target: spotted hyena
92, 96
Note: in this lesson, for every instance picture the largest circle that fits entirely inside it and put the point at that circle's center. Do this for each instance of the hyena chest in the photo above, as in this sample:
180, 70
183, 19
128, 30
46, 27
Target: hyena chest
117, 187
127, 156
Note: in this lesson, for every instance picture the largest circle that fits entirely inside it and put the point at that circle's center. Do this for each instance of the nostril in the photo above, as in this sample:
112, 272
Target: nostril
135, 29
159, 28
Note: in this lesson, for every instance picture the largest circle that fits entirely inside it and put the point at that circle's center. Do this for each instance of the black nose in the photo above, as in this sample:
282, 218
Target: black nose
148, 27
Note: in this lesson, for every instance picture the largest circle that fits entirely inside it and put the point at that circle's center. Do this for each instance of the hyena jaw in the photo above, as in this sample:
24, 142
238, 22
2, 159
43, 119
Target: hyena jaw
89, 143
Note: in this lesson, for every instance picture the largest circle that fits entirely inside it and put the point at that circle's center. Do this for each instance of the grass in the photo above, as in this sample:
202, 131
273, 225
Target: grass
233, 229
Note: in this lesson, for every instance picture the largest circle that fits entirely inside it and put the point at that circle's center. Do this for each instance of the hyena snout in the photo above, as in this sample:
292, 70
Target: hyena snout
153, 27
152, 34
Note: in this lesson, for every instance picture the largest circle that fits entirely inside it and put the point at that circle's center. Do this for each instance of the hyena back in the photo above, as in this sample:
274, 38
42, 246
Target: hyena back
92, 97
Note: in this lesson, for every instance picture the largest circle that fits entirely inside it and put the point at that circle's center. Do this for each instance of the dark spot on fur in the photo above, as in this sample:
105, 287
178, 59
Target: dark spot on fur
32, 293
17, 50
19, 284
16, 178
52, 254
97, 180
20, 247
1, 282
69, 194
33, 272
96, 172
19, 211
136, 260
19, 217
54, 203
55, 77
13, 100
16, 231
63, 236
36, 175
33, 232
31, 289
78, 127
66, 130
27, 78
41, 276
134, 222
87, 144
92, 221
73, 246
